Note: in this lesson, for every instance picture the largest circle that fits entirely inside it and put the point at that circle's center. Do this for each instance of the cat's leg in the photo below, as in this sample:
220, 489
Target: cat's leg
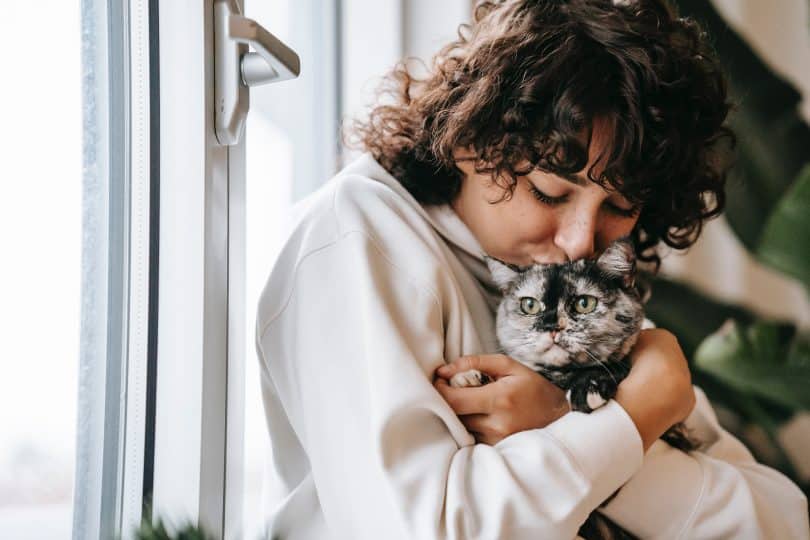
471, 377
590, 389
678, 436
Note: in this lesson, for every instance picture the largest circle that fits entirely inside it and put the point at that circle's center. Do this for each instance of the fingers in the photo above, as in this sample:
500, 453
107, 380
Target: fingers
469, 400
482, 428
476, 423
495, 365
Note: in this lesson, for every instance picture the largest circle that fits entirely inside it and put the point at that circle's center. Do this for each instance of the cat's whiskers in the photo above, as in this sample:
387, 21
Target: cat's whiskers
599, 362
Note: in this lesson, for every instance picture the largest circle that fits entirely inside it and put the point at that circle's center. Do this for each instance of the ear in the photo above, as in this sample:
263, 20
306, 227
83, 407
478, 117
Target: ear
619, 260
503, 273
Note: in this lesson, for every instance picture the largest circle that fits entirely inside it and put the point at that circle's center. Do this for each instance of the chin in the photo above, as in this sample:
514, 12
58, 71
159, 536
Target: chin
555, 356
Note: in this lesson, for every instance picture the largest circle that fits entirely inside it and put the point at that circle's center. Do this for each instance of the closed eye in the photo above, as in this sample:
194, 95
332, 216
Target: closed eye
546, 199
553, 201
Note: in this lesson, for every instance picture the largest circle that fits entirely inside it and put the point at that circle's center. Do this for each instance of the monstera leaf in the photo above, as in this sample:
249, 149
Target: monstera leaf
785, 241
765, 359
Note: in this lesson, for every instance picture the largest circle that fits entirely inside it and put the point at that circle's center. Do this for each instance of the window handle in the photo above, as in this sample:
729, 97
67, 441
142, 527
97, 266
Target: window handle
274, 61
236, 69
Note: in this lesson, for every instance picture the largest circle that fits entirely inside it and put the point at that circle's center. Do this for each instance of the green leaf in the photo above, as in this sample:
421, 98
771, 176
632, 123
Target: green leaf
785, 241
772, 136
688, 314
158, 531
765, 360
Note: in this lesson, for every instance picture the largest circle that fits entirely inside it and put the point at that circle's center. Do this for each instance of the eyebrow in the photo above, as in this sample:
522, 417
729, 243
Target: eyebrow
578, 180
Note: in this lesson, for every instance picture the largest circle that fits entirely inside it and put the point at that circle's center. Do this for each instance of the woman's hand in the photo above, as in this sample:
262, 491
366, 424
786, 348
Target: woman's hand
656, 394
658, 391
517, 400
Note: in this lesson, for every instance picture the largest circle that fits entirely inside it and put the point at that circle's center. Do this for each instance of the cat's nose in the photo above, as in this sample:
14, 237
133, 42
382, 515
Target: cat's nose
554, 335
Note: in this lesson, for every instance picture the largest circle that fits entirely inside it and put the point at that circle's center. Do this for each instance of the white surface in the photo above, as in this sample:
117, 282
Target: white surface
138, 324
182, 173
36, 522
269, 192
40, 277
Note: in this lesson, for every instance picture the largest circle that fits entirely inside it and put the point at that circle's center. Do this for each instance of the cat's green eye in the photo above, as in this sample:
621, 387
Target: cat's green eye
531, 306
585, 303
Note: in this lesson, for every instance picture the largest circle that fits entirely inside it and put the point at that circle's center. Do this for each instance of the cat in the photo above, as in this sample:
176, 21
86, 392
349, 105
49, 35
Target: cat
574, 323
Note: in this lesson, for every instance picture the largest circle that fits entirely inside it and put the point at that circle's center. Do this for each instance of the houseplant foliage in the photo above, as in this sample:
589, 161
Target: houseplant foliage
159, 531
759, 370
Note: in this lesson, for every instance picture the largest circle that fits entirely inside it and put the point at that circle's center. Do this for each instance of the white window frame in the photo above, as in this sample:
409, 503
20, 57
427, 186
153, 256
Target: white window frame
199, 370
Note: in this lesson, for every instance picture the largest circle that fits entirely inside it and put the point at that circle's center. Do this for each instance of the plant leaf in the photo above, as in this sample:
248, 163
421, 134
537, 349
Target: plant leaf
772, 136
688, 314
765, 360
785, 241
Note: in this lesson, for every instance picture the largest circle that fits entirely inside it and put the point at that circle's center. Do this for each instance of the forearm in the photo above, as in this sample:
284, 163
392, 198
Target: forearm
649, 417
658, 392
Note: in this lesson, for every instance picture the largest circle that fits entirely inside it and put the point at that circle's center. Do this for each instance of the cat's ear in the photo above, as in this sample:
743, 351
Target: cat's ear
619, 260
503, 273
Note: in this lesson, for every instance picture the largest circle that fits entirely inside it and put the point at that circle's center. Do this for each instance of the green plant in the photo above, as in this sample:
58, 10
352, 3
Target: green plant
158, 531
758, 369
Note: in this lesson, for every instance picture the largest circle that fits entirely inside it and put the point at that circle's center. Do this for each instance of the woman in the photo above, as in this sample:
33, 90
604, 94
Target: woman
547, 130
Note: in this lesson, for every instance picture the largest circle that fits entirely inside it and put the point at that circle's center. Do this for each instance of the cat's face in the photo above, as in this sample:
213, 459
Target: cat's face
578, 312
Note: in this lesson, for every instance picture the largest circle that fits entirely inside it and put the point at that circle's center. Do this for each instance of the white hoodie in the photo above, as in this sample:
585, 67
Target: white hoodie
370, 294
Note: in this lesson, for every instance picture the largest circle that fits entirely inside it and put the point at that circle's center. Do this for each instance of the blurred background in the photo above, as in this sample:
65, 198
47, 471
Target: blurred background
752, 266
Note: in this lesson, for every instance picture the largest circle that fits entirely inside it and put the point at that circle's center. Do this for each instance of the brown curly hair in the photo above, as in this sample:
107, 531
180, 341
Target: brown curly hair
524, 83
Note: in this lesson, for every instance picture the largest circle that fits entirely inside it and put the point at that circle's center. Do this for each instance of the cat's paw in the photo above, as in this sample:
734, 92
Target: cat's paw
595, 400
471, 377
586, 398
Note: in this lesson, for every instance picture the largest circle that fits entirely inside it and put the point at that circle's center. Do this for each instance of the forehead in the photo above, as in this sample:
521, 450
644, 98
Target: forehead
572, 278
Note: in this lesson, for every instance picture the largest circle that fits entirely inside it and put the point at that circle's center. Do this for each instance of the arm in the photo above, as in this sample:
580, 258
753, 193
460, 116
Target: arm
717, 492
656, 394
351, 352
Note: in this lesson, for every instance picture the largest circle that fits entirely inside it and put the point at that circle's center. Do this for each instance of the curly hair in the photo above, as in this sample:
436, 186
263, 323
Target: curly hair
522, 86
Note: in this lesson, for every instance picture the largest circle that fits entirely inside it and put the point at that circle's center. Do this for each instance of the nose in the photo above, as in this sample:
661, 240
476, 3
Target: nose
576, 235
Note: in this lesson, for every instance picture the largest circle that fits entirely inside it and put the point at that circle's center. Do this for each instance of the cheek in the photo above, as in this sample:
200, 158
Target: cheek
515, 228
532, 229
614, 228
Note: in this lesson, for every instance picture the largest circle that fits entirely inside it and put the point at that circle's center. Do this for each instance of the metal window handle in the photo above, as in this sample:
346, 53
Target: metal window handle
236, 69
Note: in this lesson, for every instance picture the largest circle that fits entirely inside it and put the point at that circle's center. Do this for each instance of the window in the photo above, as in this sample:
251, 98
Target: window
41, 213
140, 246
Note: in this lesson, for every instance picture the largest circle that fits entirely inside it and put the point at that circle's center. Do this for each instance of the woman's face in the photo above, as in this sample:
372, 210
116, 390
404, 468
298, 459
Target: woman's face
548, 219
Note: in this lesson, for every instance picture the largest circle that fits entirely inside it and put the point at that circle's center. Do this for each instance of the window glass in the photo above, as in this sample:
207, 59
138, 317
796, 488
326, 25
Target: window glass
40, 276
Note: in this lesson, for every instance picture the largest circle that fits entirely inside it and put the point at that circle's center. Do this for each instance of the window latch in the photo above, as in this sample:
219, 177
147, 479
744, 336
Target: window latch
236, 69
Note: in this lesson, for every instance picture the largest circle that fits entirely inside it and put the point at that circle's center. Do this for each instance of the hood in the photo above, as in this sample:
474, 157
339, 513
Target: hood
443, 219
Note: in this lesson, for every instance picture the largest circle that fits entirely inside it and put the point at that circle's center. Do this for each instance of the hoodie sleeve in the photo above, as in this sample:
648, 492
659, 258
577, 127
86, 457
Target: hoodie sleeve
719, 491
351, 349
